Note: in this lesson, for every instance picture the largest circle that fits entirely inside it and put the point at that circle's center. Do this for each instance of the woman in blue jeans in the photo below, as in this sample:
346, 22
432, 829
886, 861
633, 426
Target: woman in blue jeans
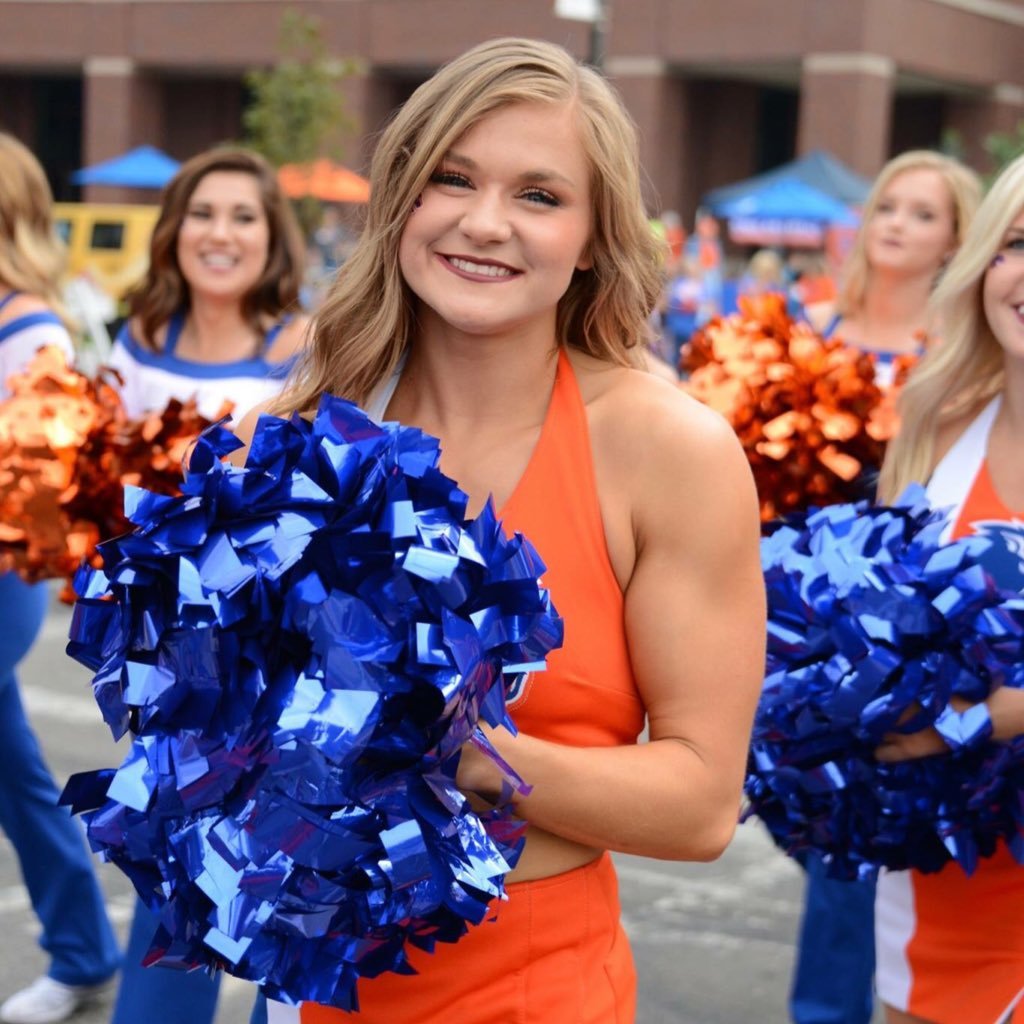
49, 844
213, 320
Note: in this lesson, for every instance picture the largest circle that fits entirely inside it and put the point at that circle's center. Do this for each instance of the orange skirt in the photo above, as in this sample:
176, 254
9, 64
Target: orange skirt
556, 952
951, 948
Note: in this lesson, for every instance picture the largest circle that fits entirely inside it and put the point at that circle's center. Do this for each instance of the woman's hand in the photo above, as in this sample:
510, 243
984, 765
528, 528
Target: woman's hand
478, 776
927, 742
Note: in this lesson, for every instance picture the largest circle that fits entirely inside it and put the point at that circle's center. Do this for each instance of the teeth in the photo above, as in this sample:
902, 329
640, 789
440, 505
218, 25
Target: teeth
219, 261
486, 269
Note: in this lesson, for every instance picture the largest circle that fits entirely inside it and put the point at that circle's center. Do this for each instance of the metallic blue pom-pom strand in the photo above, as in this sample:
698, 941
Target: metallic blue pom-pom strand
874, 625
299, 649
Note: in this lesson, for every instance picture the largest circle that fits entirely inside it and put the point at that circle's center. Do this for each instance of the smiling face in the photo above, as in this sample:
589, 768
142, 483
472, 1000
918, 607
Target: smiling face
1003, 291
502, 225
913, 227
224, 238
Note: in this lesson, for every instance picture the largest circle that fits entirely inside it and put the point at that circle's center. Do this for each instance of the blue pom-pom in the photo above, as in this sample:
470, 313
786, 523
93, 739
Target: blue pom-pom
300, 648
874, 625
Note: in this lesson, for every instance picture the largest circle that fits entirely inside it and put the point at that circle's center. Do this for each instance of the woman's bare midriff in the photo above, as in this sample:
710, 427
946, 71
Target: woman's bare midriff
546, 854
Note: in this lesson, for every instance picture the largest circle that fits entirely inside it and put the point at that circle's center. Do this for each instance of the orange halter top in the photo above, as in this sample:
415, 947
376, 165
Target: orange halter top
982, 504
587, 696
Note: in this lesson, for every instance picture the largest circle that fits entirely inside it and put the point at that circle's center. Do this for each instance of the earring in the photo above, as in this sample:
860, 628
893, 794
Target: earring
417, 202
996, 260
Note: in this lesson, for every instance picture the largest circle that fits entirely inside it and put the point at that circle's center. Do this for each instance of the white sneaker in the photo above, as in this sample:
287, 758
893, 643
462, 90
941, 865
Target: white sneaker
46, 1001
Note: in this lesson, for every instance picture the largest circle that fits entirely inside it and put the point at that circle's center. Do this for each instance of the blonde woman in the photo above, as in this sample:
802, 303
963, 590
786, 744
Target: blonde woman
499, 300
765, 273
50, 847
951, 948
915, 216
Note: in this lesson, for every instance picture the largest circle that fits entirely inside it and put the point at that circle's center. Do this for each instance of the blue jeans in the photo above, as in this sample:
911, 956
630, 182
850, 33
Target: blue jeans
160, 993
259, 1010
49, 844
835, 966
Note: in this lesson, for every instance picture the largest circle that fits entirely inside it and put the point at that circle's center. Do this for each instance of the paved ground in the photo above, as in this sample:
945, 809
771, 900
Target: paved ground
713, 943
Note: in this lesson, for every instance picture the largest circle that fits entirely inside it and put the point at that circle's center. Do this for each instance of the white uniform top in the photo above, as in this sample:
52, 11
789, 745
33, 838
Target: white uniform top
896, 912
152, 379
885, 362
23, 336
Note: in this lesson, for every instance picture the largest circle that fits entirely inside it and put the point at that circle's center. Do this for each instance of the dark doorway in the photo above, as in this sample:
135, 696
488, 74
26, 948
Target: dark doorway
58, 132
776, 127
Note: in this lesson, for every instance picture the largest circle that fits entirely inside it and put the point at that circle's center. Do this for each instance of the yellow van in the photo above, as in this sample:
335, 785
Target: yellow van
107, 241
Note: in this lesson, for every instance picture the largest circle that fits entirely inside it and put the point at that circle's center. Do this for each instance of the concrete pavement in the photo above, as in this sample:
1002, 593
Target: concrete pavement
713, 942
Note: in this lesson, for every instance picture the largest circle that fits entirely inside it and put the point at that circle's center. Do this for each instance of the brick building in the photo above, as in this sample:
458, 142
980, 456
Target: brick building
720, 89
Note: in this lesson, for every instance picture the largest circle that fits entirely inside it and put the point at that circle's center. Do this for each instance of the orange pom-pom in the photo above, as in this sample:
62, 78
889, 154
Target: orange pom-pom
806, 409
67, 449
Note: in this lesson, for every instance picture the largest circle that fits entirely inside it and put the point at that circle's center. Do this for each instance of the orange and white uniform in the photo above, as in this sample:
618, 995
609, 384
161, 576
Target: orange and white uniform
950, 947
556, 950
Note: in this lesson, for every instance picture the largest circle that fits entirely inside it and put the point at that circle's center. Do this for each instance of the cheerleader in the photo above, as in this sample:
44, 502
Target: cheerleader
213, 320
51, 851
951, 947
914, 219
499, 300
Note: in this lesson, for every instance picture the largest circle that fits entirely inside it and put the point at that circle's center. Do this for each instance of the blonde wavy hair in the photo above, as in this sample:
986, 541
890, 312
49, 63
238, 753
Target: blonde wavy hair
32, 257
368, 319
965, 193
966, 370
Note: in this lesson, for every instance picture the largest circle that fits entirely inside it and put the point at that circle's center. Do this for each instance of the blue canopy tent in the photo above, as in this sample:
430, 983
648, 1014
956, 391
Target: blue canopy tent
143, 167
784, 212
817, 169
784, 200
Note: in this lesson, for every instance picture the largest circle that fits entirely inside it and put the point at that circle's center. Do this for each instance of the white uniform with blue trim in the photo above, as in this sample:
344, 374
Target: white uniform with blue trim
48, 843
23, 336
152, 378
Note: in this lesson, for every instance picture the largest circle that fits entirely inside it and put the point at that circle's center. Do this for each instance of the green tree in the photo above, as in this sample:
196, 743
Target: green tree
297, 112
1004, 147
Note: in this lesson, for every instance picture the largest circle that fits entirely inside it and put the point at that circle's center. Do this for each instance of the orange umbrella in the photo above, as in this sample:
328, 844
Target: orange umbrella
324, 180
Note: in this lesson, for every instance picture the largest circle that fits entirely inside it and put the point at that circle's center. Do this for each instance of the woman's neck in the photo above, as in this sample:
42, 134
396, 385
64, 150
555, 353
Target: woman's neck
895, 310
1012, 410
217, 331
452, 380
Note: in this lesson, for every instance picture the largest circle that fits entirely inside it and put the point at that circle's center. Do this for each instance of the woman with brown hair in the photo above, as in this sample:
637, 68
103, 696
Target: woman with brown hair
50, 847
215, 319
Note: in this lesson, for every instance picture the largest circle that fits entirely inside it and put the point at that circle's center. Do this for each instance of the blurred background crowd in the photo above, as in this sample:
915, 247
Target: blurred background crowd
759, 140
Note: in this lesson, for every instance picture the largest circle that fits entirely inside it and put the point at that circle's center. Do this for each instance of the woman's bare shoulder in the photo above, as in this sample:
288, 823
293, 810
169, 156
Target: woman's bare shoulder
820, 314
638, 418
133, 326
21, 305
246, 428
291, 340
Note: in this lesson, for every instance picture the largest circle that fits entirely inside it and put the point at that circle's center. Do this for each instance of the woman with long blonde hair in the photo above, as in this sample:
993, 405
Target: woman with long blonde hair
50, 846
498, 300
914, 219
951, 947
